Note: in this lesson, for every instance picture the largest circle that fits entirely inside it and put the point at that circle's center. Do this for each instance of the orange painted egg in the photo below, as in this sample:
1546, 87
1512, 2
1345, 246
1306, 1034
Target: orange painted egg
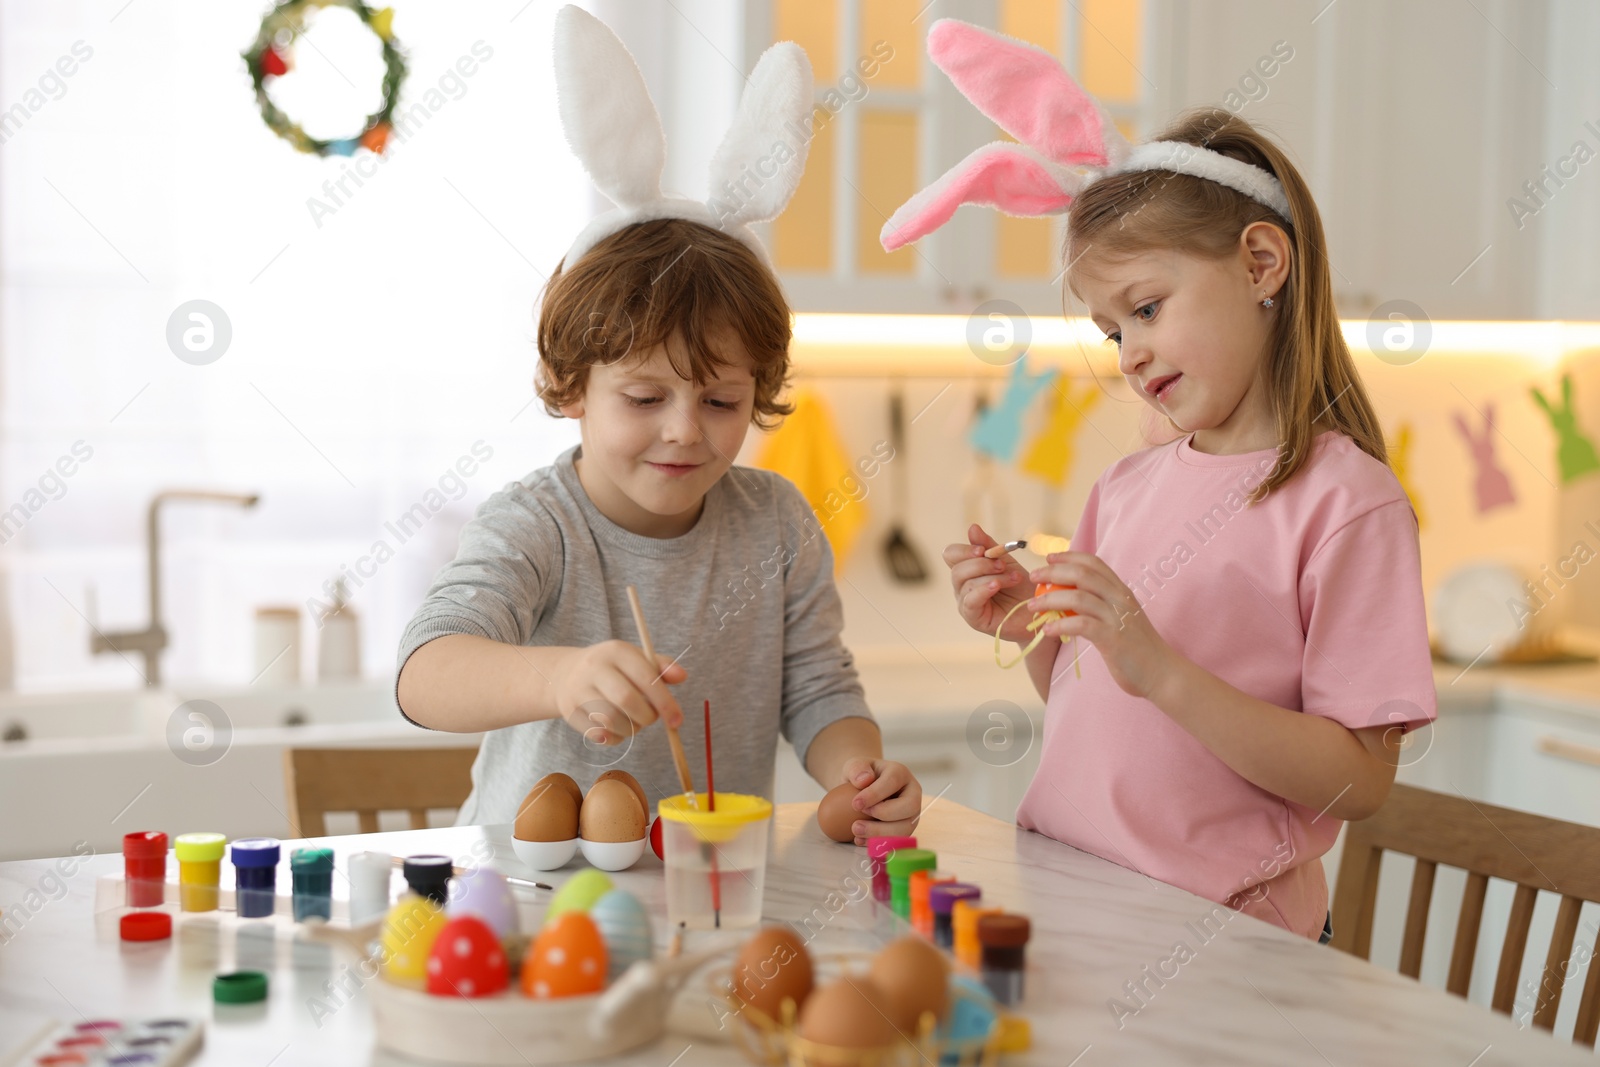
1048, 587
568, 958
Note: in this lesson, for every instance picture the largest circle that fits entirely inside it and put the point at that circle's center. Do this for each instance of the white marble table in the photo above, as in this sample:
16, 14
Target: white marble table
1249, 994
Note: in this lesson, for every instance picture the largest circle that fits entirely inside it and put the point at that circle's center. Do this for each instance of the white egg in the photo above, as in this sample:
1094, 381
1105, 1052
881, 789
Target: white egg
625, 927
484, 893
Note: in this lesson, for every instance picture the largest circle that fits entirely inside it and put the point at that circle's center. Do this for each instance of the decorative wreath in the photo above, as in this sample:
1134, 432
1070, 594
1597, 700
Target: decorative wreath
271, 57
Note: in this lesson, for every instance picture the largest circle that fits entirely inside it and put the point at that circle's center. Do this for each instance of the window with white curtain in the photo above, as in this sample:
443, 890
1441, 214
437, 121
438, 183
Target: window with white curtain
380, 333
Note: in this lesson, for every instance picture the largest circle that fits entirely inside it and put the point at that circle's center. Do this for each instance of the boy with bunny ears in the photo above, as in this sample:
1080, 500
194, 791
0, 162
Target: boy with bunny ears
665, 334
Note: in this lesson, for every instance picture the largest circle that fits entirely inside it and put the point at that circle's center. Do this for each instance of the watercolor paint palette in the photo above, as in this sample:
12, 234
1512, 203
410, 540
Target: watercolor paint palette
158, 1042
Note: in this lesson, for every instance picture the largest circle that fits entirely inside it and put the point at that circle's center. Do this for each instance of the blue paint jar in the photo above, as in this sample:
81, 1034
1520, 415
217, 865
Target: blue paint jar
255, 870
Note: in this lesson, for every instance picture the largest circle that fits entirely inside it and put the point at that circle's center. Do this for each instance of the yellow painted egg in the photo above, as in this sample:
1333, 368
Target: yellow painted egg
408, 935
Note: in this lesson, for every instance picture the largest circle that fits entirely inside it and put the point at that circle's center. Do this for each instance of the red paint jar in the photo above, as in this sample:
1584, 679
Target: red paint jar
144, 862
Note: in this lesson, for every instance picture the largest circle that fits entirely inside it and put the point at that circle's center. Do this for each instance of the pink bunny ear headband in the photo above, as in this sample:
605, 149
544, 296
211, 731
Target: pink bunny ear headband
1068, 141
615, 132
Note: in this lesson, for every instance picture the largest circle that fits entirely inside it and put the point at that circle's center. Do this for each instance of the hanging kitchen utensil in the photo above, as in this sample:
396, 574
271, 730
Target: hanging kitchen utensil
904, 561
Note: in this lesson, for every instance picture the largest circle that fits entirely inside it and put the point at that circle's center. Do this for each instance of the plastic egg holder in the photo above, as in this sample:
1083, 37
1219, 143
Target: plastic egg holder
553, 855
606, 855
771, 1042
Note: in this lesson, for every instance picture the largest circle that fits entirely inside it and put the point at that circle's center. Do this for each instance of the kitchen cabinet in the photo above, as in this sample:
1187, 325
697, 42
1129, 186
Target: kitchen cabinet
1443, 159
1414, 125
888, 122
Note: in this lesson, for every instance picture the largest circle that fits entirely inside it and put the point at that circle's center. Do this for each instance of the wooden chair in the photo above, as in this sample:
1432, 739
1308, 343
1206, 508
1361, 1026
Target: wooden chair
369, 780
1487, 842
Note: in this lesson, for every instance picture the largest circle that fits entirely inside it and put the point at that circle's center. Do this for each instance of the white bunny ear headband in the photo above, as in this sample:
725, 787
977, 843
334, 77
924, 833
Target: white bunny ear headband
616, 133
1068, 141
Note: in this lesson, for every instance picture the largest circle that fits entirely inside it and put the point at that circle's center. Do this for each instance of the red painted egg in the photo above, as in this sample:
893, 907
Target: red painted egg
467, 960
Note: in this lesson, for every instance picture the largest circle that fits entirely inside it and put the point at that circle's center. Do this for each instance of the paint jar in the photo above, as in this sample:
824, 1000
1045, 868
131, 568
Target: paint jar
878, 849
429, 876
255, 875
964, 916
311, 876
919, 883
1004, 939
199, 869
900, 864
941, 901
370, 876
144, 868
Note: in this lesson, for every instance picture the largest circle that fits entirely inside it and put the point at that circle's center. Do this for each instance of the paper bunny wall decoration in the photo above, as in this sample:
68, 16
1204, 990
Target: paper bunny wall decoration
998, 431
1050, 455
1400, 463
614, 130
1067, 140
1491, 485
1574, 451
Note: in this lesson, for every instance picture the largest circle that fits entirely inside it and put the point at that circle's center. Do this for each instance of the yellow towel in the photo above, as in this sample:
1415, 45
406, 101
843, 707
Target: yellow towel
806, 449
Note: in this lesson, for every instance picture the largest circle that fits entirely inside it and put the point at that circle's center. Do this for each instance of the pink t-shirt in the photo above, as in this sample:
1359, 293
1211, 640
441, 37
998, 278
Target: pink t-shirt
1310, 599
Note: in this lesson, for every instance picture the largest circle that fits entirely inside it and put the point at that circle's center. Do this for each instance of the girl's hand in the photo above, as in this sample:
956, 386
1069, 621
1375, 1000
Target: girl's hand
1108, 616
988, 588
890, 801
610, 691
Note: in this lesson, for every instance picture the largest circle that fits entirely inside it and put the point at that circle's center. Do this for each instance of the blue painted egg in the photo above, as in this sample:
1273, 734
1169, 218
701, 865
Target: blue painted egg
626, 929
972, 1013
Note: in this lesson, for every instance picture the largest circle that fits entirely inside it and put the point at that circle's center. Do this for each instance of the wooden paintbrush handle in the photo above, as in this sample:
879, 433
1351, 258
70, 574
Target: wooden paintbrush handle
673, 739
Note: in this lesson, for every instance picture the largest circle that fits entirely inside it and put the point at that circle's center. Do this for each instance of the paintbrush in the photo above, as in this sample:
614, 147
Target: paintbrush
678, 756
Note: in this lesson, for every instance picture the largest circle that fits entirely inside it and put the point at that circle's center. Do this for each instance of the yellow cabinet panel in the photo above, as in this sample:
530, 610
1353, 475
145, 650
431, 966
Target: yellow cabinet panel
895, 23
802, 237
813, 26
885, 179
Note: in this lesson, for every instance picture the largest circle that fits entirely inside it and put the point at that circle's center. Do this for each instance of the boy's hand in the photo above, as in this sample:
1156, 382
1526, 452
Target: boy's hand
890, 801
610, 691
988, 588
1108, 615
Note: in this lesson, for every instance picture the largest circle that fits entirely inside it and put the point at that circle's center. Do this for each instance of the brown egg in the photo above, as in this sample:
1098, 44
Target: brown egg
773, 966
914, 977
611, 812
632, 783
565, 781
848, 1013
836, 816
548, 812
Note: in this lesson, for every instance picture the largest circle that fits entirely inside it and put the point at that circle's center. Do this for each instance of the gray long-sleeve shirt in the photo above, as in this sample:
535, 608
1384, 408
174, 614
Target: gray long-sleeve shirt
745, 601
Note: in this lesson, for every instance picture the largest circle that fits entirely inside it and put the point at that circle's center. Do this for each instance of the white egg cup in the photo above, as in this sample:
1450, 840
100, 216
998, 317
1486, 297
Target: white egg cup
613, 855
545, 855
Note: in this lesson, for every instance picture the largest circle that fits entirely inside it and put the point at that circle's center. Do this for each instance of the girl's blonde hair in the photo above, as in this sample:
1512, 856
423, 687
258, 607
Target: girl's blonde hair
1311, 373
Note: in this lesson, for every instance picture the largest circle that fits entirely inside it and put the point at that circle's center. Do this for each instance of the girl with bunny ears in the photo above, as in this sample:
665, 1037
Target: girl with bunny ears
665, 334
1249, 590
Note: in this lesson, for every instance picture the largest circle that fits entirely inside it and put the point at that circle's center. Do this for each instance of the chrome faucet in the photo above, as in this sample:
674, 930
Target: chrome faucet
153, 638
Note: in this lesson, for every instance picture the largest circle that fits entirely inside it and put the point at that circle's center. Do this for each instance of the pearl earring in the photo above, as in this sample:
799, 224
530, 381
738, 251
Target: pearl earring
1266, 301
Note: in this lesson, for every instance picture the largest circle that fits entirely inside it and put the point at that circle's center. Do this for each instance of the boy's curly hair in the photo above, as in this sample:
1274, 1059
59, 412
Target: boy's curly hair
653, 280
